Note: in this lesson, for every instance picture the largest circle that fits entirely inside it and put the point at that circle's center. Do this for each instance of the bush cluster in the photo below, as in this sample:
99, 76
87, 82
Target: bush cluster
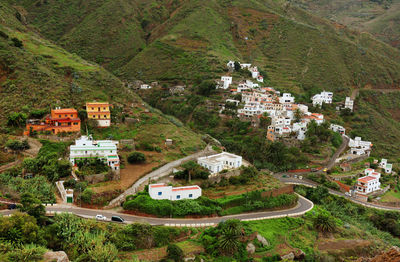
204, 206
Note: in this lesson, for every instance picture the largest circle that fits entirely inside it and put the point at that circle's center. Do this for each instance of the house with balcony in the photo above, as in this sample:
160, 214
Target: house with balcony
87, 148
162, 191
368, 183
60, 120
217, 163
99, 111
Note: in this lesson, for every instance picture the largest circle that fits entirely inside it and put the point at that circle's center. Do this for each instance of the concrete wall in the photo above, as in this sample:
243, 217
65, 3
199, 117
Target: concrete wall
288, 189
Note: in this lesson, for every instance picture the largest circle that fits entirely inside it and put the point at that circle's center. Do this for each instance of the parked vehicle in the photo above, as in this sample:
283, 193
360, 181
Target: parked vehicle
117, 219
300, 177
11, 206
314, 169
101, 217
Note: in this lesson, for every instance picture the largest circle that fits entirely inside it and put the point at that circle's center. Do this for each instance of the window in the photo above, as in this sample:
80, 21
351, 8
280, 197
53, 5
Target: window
159, 193
75, 124
59, 116
71, 115
190, 195
178, 197
105, 116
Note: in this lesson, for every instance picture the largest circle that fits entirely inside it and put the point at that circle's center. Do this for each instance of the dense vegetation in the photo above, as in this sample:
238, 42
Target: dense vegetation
203, 206
24, 239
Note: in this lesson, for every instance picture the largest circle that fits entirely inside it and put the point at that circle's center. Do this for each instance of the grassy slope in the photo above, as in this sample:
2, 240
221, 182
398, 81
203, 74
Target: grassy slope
380, 18
192, 38
377, 120
40, 75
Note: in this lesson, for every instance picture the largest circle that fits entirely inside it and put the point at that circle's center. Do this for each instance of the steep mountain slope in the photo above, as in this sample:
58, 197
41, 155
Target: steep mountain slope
37, 74
187, 40
380, 18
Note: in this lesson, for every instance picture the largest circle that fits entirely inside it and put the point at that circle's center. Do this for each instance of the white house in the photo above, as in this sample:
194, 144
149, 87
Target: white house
300, 128
324, 97
231, 64
386, 166
254, 72
337, 128
286, 98
233, 101
348, 103
359, 147
86, 148
219, 162
367, 184
227, 81
144, 86
162, 191
260, 78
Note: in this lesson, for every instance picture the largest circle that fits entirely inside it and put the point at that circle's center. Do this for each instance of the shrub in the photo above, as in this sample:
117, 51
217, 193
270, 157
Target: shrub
86, 195
175, 253
136, 157
17, 42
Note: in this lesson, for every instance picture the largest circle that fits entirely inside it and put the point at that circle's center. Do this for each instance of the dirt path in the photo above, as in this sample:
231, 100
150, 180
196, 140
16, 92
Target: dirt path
35, 146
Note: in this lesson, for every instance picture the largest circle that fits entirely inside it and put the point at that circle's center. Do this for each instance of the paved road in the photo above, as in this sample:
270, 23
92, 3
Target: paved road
160, 172
303, 206
305, 182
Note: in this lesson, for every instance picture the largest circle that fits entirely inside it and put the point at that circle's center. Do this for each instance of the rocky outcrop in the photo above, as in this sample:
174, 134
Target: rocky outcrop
392, 255
55, 256
251, 248
262, 240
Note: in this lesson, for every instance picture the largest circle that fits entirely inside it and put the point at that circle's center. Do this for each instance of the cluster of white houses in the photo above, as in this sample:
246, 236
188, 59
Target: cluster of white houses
267, 102
87, 148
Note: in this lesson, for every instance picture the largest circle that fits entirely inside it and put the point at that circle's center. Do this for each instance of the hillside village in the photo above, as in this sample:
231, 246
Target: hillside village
180, 152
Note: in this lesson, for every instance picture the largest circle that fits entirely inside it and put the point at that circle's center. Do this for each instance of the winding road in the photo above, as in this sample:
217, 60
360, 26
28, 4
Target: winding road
304, 205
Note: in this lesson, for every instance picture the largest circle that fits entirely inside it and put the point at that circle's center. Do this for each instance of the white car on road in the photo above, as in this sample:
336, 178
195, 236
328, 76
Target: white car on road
101, 217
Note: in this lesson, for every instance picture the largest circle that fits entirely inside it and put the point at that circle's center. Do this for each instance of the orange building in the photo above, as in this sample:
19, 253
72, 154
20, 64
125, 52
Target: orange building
60, 120
99, 111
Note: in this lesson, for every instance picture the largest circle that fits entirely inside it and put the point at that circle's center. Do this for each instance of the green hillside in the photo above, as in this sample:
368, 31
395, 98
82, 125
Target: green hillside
37, 74
380, 18
187, 40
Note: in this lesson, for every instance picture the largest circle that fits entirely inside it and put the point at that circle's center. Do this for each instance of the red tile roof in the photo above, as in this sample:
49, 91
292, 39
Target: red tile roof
186, 188
366, 179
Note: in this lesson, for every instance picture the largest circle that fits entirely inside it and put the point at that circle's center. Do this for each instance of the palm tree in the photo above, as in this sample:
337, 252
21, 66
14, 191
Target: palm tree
325, 223
229, 240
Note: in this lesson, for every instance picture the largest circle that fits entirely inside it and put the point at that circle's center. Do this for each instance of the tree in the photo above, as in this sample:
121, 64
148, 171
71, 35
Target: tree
175, 253
229, 239
237, 66
206, 87
33, 206
17, 42
324, 223
136, 157
298, 115
17, 145
16, 119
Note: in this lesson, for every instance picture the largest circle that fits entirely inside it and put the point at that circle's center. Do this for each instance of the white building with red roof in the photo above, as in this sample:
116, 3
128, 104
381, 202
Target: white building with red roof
162, 191
369, 183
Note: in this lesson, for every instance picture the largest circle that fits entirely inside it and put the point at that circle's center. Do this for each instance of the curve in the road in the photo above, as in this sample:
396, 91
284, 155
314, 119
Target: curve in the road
294, 181
304, 205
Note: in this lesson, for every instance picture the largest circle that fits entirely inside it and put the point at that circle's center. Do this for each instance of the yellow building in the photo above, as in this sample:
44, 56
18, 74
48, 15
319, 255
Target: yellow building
99, 111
